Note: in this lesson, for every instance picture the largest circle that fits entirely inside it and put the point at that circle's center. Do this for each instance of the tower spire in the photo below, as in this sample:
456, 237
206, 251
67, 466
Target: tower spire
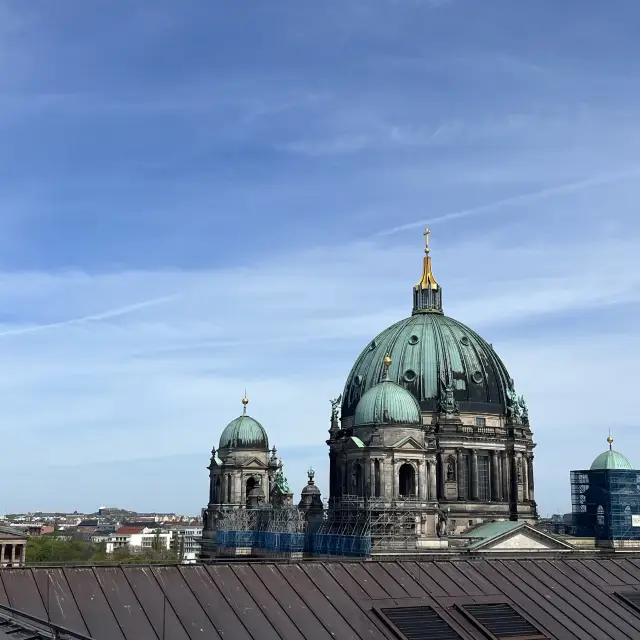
427, 294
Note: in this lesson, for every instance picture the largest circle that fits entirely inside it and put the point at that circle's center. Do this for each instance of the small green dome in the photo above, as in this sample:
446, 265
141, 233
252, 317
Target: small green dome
610, 460
387, 403
244, 433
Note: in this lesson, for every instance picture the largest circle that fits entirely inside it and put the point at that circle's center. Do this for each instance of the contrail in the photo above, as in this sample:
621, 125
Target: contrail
516, 200
112, 313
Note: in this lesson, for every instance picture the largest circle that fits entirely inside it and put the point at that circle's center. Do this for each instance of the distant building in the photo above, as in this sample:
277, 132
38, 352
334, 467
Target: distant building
138, 539
606, 501
185, 541
13, 547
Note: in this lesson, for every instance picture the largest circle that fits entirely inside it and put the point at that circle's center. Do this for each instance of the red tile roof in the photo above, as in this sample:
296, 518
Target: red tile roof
127, 531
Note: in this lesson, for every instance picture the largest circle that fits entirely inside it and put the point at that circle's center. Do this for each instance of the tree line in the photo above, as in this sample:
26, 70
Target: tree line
50, 549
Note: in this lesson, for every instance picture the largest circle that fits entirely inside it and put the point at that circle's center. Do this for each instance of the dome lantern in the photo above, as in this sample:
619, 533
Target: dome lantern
427, 293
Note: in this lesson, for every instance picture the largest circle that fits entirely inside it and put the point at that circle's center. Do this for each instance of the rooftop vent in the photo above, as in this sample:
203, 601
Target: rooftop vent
503, 621
418, 623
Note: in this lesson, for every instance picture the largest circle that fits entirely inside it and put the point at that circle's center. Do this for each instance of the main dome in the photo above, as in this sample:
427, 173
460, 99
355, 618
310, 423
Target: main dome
430, 351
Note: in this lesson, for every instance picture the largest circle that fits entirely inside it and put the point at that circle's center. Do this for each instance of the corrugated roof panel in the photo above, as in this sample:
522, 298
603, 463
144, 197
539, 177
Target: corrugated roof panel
328, 615
265, 601
303, 616
249, 613
348, 607
22, 592
94, 609
124, 603
188, 610
159, 611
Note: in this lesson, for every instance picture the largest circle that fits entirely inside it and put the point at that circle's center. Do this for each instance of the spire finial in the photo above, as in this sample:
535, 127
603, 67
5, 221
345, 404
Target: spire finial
245, 402
427, 231
610, 439
311, 473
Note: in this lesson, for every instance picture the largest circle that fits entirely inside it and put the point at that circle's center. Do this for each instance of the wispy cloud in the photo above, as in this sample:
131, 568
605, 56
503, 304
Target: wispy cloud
525, 198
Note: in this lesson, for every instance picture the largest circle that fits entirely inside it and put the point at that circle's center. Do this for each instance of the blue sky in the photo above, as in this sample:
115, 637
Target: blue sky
200, 199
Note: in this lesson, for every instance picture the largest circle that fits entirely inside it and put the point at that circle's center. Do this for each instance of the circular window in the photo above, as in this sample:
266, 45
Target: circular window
373, 345
410, 375
465, 341
477, 377
414, 339
358, 380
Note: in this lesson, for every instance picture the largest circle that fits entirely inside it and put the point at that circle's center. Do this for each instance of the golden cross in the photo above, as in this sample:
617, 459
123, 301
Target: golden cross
427, 231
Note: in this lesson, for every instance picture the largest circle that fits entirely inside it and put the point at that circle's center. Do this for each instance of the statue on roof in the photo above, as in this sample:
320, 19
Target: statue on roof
447, 402
513, 405
524, 410
281, 481
335, 408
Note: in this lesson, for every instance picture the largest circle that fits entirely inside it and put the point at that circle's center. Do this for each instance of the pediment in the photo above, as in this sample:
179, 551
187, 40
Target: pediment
408, 444
253, 463
523, 538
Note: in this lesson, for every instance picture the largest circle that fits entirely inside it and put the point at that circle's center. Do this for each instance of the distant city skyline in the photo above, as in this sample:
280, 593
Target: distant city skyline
204, 199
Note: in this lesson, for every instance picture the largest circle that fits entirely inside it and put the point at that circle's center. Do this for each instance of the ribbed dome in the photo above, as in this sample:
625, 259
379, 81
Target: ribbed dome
428, 349
244, 433
387, 403
610, 460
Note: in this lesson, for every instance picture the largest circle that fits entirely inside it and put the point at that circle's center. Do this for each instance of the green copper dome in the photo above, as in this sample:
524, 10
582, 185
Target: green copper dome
611, 460
429, 350
387, 403
244, 433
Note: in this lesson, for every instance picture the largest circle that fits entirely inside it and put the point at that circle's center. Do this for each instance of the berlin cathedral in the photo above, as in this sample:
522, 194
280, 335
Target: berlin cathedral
429, 424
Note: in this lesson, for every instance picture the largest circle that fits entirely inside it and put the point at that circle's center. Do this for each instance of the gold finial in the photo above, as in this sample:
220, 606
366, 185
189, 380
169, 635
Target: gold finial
387, 361
245, 400
610, 441
428, 280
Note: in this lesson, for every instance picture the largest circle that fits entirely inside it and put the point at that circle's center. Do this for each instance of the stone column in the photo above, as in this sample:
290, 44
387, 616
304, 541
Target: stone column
505, 476
495, 477
525, 479
332, 475
530, 475
383, 470
474, 474
396, 478
514, 477
243, 489
372, 477
420, 480
462, 490
433, 480
236, 487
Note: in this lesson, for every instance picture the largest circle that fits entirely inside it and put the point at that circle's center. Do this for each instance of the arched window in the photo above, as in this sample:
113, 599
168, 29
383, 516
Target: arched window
627, 516
249, 485
407, 480
376, 471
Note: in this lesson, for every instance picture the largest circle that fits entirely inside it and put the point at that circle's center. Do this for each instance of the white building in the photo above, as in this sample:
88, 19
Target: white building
185, 539
139, 539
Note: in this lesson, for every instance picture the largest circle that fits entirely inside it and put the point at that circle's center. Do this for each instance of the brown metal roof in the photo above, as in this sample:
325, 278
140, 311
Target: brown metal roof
568, 598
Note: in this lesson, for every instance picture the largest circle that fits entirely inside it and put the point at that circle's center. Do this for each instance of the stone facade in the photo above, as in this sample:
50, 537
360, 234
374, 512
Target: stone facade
13, 548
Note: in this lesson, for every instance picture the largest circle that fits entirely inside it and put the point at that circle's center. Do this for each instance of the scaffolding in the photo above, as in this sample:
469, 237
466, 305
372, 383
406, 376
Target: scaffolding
605, 504
266, 531
359, 527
